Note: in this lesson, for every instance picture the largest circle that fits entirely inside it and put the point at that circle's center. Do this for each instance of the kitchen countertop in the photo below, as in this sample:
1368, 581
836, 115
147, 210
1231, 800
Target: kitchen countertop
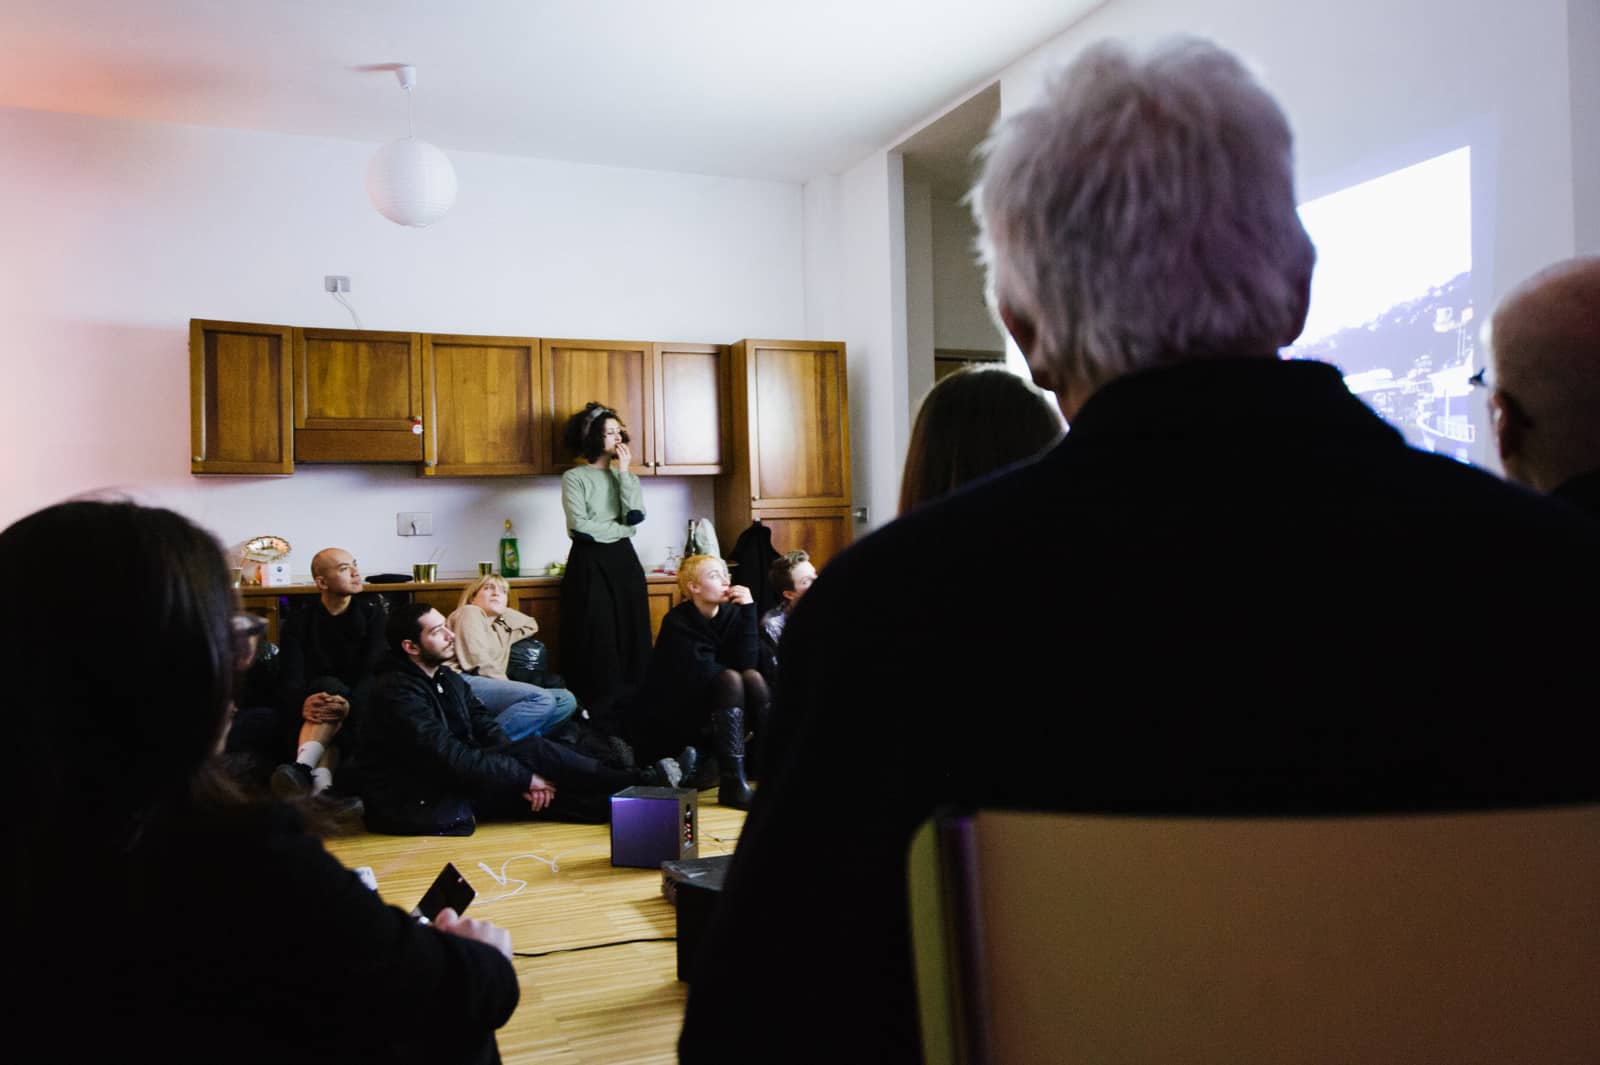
253, 590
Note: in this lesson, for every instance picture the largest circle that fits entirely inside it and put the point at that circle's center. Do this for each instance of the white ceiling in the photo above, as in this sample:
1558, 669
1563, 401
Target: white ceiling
747, 88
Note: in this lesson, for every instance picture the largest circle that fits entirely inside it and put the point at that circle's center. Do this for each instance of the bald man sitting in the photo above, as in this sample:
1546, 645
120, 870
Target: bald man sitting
1544, 343
329, 651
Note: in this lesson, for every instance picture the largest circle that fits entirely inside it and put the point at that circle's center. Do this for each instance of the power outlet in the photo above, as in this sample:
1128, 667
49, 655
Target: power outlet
335, 283
413, 523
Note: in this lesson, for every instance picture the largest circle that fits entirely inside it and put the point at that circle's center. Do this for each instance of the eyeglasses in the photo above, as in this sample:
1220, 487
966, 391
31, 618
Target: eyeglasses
1501, 402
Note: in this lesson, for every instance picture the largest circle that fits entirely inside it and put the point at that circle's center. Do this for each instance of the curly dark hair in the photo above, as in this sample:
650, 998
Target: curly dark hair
586, 430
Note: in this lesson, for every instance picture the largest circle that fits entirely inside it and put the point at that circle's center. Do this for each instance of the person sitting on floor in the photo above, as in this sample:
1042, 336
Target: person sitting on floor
703, 676
435, 758
789, 577
329, 650
485, 627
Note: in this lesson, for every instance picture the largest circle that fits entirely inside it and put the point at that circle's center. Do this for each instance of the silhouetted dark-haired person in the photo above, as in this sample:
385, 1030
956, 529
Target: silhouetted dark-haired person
156, 916
970, 424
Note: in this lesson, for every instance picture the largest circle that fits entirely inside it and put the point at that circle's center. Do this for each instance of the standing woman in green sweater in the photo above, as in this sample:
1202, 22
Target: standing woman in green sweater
605, 615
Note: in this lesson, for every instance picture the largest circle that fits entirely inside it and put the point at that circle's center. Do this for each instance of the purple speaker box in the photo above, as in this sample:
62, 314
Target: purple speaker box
654, 825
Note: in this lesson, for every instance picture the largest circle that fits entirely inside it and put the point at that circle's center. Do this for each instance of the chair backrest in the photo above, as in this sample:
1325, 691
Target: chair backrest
1459, 937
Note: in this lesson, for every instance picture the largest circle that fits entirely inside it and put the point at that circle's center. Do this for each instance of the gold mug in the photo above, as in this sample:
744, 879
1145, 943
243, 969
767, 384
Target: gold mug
486, 569
424, 572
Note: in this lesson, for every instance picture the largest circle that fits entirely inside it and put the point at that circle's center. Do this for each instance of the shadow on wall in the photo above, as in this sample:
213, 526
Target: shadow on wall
95, 406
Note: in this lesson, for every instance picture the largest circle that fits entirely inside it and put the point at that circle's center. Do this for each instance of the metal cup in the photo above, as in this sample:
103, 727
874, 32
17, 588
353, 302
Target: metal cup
424, 572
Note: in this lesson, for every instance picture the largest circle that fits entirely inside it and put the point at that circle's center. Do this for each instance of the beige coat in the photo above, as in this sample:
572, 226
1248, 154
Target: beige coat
484, 642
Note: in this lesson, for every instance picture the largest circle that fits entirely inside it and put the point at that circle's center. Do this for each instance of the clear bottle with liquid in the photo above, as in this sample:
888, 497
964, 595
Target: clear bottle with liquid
510, 565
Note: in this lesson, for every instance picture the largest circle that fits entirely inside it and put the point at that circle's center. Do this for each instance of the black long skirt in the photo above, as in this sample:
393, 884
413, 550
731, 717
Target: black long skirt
605, 625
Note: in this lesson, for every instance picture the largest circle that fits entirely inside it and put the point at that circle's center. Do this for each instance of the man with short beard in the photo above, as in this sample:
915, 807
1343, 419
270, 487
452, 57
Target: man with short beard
434, 758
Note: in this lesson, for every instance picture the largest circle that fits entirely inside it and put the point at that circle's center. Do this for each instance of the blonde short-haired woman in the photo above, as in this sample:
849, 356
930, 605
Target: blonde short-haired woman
485, 628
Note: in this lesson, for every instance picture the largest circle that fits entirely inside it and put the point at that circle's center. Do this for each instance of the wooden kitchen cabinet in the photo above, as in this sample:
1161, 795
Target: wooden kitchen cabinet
240, 390
668, 395
358, 396
691, 417
614, 372
790, 435
481, 415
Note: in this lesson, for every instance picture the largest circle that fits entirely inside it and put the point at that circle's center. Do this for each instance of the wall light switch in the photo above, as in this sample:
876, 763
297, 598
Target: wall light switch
414, 523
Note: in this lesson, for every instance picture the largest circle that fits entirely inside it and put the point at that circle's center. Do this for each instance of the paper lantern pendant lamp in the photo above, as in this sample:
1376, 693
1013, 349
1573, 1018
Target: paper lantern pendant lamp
409, 181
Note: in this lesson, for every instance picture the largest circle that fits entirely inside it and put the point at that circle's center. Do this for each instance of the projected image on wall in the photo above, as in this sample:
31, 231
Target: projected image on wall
1391, 300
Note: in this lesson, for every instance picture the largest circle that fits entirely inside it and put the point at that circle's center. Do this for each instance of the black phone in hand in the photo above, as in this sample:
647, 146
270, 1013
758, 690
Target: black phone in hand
450, 889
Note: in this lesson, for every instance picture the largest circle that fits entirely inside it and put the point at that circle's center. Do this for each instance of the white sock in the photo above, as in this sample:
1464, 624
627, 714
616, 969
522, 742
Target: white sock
309, 754
321, 779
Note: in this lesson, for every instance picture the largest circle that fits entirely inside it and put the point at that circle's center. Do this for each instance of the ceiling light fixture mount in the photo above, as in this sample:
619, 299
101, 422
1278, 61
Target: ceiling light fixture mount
411, 182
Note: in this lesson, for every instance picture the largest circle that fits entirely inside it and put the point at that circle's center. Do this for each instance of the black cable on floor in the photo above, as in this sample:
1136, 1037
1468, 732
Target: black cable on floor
592, 946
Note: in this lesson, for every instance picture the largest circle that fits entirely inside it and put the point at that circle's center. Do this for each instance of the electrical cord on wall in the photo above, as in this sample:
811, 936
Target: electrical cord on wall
347, 307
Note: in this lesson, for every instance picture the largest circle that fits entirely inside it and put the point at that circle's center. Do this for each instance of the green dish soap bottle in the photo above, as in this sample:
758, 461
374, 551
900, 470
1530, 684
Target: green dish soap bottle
509, 564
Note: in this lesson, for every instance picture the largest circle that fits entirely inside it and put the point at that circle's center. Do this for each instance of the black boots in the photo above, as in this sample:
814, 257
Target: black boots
727, 727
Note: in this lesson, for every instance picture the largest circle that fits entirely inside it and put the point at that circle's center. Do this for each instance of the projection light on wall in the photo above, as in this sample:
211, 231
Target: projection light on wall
409, 181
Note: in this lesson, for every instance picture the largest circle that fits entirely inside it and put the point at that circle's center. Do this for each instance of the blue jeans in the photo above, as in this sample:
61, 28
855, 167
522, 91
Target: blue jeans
522, 709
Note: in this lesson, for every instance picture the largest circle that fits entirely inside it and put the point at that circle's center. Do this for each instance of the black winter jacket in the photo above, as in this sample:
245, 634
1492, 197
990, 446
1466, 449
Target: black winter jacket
427, 738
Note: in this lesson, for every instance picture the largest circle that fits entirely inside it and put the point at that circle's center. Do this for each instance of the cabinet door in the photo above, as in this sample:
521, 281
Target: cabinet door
614, 372
820, 532
239, 398
690, 413
798, 424
357, 396
542, 603
662, 598
481, 416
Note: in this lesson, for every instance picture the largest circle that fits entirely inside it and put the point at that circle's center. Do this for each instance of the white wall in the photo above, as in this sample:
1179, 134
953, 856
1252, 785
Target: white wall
1583, 53
854, 231
1362, 81
961, 318
922, 291
119, 232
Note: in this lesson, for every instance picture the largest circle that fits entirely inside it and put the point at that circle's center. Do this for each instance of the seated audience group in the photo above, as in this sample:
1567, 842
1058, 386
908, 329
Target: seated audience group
1231, 588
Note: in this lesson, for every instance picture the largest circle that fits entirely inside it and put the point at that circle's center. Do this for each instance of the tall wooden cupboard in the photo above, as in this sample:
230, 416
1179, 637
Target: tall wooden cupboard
790, 446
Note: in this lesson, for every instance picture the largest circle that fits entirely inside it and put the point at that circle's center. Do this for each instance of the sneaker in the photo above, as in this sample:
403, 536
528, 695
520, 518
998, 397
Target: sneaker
662, 773
291, 781
343, 813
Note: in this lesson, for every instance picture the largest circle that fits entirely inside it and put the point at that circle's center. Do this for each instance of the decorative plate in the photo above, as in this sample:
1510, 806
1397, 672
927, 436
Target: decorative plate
265, 549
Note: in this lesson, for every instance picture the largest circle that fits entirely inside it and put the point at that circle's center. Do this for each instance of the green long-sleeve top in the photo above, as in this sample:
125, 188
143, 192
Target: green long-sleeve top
601, 505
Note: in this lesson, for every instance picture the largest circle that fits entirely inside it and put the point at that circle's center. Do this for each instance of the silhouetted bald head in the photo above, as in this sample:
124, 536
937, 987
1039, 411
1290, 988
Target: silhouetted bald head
1544, 341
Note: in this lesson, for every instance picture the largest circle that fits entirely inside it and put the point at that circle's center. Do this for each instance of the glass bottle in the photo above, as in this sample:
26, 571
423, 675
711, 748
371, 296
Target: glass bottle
510, 566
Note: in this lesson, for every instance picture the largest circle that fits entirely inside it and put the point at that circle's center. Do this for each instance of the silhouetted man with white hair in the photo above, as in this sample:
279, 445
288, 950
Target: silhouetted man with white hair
1230, 588
1545, 401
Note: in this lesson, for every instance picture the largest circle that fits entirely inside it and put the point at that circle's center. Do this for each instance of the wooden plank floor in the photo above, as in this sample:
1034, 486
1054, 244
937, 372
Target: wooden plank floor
610, 1006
